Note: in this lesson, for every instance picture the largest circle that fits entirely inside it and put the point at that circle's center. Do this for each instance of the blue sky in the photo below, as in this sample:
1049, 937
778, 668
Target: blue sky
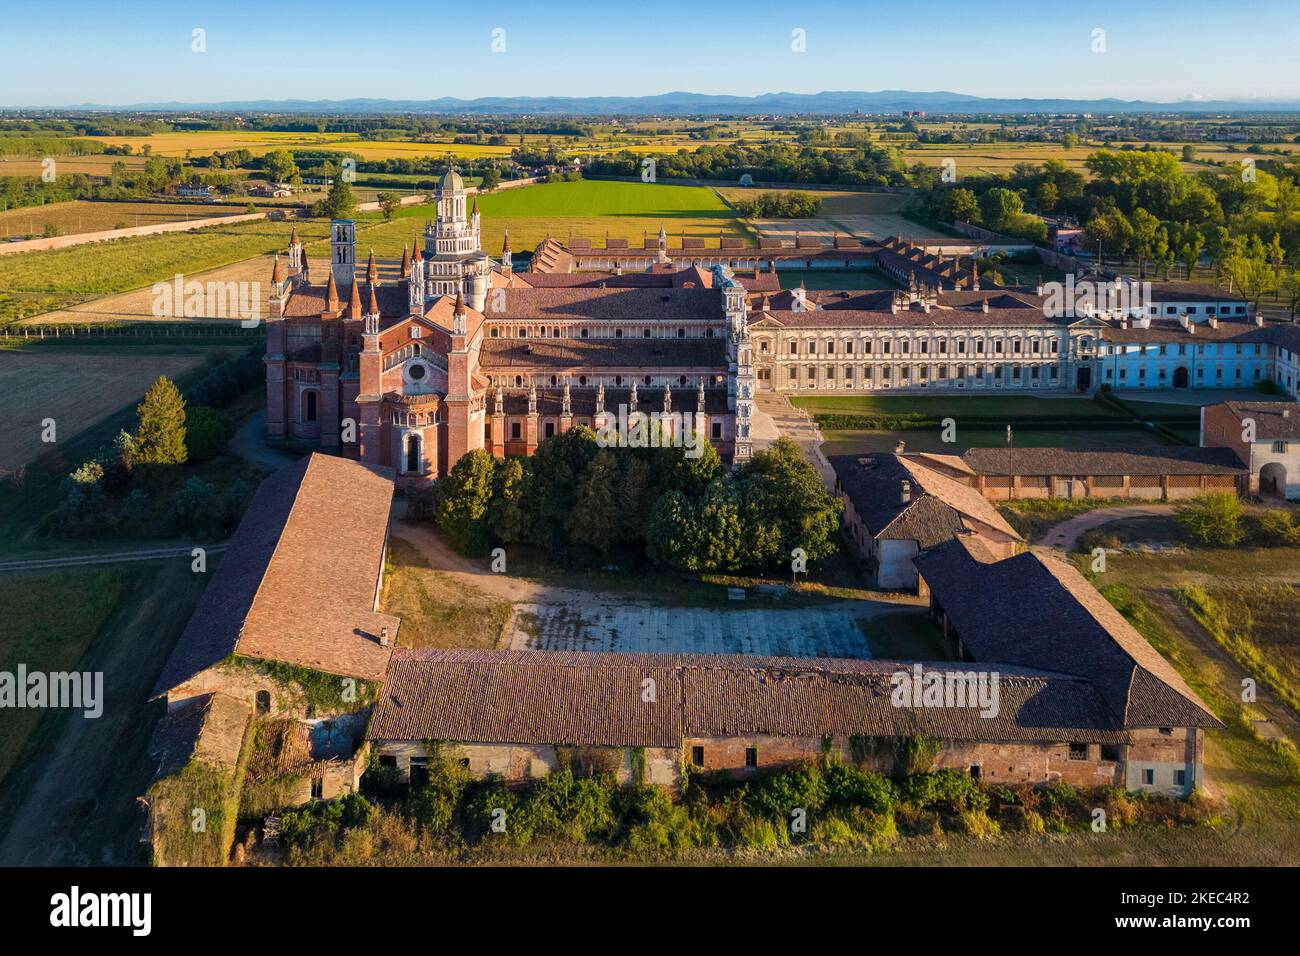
72, 51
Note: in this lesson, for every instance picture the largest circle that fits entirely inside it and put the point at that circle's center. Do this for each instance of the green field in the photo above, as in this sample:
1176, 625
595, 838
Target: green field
855, 441
855, 279
592, 209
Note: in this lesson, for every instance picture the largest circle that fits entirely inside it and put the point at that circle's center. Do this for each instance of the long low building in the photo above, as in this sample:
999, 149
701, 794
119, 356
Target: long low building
1037, 610
521, 714
1155, 474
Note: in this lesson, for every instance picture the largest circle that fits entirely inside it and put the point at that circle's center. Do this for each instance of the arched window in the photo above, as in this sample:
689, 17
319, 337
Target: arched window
413, 454
309, 406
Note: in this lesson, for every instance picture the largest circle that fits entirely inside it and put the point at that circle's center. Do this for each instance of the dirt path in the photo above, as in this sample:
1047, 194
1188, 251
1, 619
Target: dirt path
1066, 535
1282, 716
116, 557
72, 802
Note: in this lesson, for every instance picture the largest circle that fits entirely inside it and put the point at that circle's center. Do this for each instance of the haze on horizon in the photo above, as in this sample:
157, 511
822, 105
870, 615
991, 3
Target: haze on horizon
79, 51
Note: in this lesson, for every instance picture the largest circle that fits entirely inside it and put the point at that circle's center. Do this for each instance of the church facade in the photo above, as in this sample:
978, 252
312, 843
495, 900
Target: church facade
458, 352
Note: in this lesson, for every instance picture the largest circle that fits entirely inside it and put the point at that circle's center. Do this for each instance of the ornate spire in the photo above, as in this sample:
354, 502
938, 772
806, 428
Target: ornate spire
532, 397
406, 262
460, 302
631, 403
567, 408
415, 250
277, 271
699, 397
331, 294
668, 397
600, 397
374, 301
505, 244
372, 270
293, 236
354, 300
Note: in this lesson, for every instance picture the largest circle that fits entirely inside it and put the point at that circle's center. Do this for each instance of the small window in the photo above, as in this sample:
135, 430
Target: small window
1166, 731
975, 771
550, 429
263, 701
514, 431
1078, 751
387, 760
1180, 778
716, 430
697, 756
751, 756
317, 788
419, 771
1149, 777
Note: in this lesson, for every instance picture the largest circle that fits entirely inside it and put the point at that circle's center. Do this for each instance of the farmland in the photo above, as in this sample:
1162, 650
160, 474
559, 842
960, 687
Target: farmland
79, 216
589, 208
38, 282
75, 389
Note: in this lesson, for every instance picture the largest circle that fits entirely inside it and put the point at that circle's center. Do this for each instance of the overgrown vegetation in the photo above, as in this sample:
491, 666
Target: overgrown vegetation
811, 807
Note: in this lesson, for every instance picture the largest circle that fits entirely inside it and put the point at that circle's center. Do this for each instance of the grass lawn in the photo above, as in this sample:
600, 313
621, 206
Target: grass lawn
904, 636
435, 611
836, 279
48, 622
1008, 408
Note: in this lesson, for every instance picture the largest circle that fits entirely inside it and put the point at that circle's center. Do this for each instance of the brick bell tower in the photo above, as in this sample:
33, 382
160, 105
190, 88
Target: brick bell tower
465, 403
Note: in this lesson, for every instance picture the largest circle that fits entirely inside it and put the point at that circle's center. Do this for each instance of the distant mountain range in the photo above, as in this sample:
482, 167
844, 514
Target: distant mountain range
697, 104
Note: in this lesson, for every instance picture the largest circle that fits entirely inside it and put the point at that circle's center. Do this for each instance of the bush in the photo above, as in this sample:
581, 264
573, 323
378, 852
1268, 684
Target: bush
849, 786
1279, 528
1214, 519
207, 432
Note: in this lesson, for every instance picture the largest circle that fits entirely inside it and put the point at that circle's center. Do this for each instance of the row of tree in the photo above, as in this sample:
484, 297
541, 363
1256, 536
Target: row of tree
591, 505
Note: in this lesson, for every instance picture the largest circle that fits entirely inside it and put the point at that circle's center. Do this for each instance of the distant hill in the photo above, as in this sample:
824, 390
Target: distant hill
696, 104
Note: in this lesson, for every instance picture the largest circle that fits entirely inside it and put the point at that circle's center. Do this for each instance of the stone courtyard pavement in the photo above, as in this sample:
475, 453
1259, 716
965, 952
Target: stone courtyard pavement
819, 632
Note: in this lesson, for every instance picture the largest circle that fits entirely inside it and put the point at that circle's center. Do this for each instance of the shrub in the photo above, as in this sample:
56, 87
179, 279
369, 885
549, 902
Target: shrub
160, 437
779, 794
1279, 527
1214, 519
947, 789
849, 786
207, 432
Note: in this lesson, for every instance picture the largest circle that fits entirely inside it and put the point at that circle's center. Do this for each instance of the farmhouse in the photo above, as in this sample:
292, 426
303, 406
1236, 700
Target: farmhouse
298, 587
1034, 610
520, 714
1154, 474
896, 506
1264, 435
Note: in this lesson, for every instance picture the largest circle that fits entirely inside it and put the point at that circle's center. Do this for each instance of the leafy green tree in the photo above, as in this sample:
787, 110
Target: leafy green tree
490, 180
160, 434
1001, 208
461, 509
670, 531
718, 534
510, 516
557, 467
1213, 519
786, 506
388, 203
340, 203
598, 513
280, 167
963, 206
207, 432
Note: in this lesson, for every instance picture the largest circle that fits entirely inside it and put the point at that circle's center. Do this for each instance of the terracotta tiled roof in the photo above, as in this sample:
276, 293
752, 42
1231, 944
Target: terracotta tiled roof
1035, 610
696, 352
1273, 420
1103, 461
595, 699
298, 582
611, 303
938, 507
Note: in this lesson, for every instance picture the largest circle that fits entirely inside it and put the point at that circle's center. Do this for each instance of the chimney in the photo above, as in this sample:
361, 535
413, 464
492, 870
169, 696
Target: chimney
905, 494
1286, 413
900, 447
1183, 320
1259, 319
1214, 322
383, 636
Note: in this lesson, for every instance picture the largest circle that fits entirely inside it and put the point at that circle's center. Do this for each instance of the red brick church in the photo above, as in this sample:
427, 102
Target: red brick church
459, 351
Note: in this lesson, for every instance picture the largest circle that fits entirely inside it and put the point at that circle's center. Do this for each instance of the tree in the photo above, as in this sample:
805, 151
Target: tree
963, 206
193, 510
491, 179
340, 203
1189, 153
160, 435
1213, 519
670, 532
1047, 196
1145, 229
463, 496
1001, 208
598, 513
557, 467
511, 518
388, 202
786, 506
207, 431
280, 167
